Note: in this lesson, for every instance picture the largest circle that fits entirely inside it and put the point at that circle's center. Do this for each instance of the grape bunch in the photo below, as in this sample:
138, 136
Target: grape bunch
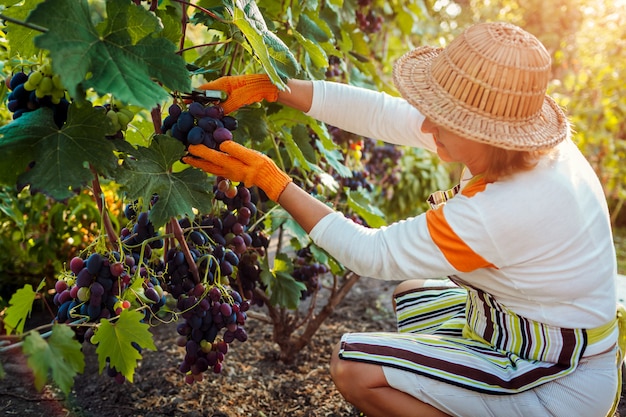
383, 162
97, 285
207, 311
40, 88
95, 288
235, 221
120, 115
199, 124
334, 67
358, 180
212, 307
308, 271
370, 21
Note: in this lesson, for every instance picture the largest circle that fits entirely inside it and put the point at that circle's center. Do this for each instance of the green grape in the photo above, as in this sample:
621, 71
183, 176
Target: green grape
45, 85
56, 80
35, 78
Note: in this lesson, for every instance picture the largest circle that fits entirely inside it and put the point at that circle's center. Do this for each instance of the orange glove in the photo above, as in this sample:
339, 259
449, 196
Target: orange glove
243, 90
238, 163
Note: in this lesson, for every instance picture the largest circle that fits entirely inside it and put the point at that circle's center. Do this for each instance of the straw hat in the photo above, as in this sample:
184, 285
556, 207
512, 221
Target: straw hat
487, 85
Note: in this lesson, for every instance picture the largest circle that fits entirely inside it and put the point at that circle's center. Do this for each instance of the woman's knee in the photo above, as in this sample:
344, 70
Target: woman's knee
404, 286
335, 361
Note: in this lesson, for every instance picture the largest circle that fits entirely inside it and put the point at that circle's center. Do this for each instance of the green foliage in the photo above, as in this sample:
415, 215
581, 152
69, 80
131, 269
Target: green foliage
56, 161
119, 56
59, 355
284, 290
421, 174
20, 306
592, 89
116, 342
38, 235
148, 172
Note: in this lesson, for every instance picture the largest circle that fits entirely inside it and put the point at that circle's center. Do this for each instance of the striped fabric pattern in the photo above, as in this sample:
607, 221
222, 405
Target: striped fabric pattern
438, 340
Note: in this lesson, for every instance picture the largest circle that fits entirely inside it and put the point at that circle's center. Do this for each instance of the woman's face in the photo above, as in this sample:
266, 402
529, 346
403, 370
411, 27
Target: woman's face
454, 148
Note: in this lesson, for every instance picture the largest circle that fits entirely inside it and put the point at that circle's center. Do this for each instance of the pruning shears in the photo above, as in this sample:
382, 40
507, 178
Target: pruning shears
205, 96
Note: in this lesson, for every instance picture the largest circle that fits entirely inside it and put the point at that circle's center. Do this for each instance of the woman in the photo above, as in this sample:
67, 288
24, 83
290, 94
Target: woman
529, 329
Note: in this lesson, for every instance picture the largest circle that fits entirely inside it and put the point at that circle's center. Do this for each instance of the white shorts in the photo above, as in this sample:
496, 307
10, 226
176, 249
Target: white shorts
587, 392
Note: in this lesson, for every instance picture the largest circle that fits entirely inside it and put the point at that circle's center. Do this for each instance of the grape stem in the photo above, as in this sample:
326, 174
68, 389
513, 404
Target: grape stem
155, 113
180, 237
203, 10
106, 220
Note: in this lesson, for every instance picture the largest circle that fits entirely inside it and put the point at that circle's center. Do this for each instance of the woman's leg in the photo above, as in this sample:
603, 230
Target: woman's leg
365, 386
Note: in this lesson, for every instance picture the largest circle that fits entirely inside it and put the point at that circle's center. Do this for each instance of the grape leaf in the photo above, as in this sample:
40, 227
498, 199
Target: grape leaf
316, 53
115, 342
333, 158
20, 306
61, 356
284, 290
360, 203
148, 171
120, 56
62, 156
314, 28
268, 48
19, 36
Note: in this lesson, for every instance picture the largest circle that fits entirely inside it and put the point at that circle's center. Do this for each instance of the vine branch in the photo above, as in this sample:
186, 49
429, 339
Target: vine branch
23, 23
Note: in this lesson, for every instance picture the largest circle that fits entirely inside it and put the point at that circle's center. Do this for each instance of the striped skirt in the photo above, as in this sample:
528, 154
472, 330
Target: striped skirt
463, 336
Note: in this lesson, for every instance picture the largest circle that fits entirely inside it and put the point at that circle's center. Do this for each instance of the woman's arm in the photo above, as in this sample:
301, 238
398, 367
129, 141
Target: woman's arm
306, 210
358, 110
299, 95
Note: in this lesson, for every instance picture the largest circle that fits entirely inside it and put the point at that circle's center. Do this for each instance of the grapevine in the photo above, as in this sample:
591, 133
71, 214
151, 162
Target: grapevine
189, 248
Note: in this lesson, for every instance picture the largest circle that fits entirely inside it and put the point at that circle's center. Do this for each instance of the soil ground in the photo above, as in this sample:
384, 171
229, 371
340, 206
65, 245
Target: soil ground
253, 382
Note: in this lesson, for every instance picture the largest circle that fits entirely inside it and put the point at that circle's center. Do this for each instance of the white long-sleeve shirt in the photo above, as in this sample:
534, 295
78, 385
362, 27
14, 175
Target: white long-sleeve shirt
539, 241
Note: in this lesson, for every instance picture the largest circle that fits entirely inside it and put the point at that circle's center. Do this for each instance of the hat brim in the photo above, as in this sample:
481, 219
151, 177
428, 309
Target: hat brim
412, 77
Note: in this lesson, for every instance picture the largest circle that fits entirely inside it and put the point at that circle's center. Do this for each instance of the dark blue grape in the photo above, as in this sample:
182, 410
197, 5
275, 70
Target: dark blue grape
230, 122
185, 122
13, 105
17, 79
62, 313
94, 263
214, 111
196, 110
197, 238
174, 110
178, 134
21, 94
17, 113
209, 142
195, 136
209, 124
93, 311
168, 122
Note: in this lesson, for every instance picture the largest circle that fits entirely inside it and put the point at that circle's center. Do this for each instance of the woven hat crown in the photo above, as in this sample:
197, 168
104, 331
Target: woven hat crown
489, 84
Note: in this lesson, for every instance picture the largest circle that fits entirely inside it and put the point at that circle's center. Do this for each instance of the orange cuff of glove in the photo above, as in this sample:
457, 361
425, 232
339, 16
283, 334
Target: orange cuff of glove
243, 90
272, 180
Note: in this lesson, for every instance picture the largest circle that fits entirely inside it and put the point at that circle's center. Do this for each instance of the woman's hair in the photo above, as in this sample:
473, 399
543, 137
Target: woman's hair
504, 162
